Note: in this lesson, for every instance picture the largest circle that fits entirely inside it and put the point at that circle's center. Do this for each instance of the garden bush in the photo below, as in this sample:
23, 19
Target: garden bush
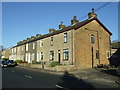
54, 63
18, 61
5, 58
34, 61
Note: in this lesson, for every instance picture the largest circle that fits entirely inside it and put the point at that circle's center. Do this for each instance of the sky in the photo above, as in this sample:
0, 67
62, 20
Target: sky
21, 20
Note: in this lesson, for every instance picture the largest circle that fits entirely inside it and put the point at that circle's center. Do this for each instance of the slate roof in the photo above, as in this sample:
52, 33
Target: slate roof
76, 26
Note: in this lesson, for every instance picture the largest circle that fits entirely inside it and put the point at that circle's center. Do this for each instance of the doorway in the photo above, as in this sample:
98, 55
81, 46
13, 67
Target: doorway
92, 57
59, 56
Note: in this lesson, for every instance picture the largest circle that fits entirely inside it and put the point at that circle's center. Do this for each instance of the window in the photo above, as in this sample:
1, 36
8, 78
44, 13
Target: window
41, 55
41, 43
18, 49
108, 54
33, 56
92, 39
51, 55
22, 48
15, 50
33, 45
12, 50
27, 47
51, 41
97, 54
65, 37
65, 54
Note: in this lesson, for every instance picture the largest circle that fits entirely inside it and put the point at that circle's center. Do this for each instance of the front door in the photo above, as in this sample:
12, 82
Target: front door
59, 56
92, 57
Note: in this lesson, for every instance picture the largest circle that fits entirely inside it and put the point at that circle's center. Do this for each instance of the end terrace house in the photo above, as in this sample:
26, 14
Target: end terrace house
83, 44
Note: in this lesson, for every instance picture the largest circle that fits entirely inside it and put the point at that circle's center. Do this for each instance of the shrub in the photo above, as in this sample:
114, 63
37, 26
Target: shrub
54, 63
38, 62
5, 58
18, 61
34, 61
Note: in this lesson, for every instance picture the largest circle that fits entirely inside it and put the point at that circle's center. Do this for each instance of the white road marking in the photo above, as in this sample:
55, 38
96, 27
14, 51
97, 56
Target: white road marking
61, 87
28, 76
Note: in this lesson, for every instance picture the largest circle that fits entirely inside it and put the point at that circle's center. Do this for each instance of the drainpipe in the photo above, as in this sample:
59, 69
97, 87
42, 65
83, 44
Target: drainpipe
73, 52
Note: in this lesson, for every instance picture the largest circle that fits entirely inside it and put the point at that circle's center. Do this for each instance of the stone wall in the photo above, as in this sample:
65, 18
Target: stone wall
47, 67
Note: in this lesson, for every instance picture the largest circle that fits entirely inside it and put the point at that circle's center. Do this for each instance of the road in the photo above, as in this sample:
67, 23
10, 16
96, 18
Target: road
15, 77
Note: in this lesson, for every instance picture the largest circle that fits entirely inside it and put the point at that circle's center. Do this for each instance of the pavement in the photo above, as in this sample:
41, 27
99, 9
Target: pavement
99, 75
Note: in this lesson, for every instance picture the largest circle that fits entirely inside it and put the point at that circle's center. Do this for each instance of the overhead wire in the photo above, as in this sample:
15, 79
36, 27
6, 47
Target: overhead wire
95, 10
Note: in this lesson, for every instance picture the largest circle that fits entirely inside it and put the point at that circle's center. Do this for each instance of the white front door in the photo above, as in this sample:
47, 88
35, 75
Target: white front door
29, 61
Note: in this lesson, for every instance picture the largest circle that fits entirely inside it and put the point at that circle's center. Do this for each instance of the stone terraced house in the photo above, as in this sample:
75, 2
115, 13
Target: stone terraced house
83, 44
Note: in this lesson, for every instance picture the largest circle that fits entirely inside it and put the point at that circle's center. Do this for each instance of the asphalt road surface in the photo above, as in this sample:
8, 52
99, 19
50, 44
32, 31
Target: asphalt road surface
15, 77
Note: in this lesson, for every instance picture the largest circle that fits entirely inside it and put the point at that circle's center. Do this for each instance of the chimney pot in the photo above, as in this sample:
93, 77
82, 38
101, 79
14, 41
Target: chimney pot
61, 26
74, 20
93, 10
51, 30
92, 14
32, 37
38, 35
74, 17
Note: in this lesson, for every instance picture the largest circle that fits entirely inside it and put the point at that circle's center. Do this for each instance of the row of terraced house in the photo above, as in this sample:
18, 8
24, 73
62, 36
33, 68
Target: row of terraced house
83, 44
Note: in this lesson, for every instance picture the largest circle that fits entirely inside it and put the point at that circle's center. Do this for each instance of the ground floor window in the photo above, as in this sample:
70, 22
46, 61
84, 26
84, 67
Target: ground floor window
51, 55
97, 54
33, 56
65, 54
108, 54
41, 55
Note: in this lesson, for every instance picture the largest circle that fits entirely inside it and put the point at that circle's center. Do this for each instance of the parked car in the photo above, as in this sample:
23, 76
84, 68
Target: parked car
3, 63
118, 70
12, 63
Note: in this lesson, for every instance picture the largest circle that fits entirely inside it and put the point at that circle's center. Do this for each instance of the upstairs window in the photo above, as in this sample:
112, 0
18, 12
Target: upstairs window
33, 45
65, 54
27, 47
41, 43
15, 50
51, 41
12, 50
92, 39
22, 48
51, 55
65, 38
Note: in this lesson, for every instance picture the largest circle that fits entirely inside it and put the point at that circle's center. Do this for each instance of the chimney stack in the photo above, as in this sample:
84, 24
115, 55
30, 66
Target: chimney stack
74, 20
61, 26
32, 37
38, 35
51, 30
28, 38
24, 41
92, 14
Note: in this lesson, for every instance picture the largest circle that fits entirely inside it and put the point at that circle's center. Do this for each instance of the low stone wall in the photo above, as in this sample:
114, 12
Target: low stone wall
48, 67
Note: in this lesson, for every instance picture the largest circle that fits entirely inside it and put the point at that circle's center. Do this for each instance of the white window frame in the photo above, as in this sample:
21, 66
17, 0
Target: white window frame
27, 47
41, 55
51, 41
22, 48
65, 37
51, 55
107, 52
65, 54
33, 56
41, 43
92, 38
33, 45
